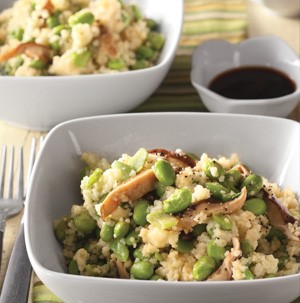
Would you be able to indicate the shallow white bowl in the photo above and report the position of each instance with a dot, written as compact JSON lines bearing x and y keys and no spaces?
{"x":55,"y":187}
{"x":286,"y":8}
{"x":42,"y":102}
{"x":216,"y":56}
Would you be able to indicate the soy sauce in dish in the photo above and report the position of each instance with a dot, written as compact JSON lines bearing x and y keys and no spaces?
{"x":252,"y":82}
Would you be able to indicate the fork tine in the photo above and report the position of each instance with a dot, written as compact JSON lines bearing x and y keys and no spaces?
{"x":3,"y":166}
{"x":20,"y":192}
{"x":31,"y":162}
{"x":11,"y":173}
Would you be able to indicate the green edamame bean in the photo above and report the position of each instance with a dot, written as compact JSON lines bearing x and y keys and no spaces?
{"x":178,"y":201}
{"x":224,"y":222}
{"x":218,"y":191}
{"x":124,"y":168}
{"x":248,"y":274}
{"x":256,"y":205}
{"x":57,"y":29}
{"x":203,"y":268}
{"x":160,"y":189}
{"x":60,"y":230}
{"x":281,"y":262}
{"x":215,"y":251}
{"x":107,"y":232}
{"x":232,"y":178}
{"x":145,"y":52}
{"x":81,"y":59}
{"x":199,"y":229}
{"x":140,"y":64}
{"x":19,"y":62}
{"x":81,"y":17}
{"x":246,"y":248}
{"x":73,"y":268}
{"x":273,"y":232}
{"x":156,"y":278}
{"x":137,"y":254}
{"x":140,"y":212}
{"x":132,"y":238}
{"x":151,"y":24}
{"x":121,"y":229}
{"x":84,"y":223}
{"x":164,"y":172}
{"x":94,"y":177}
{"x":116,"y":64}
{"x":52,"y":21}
{"x":142,"y":270}
{"x":184,"y":246}
{"x":120,"y":250}
{"x":18,"y":33}
{"x":213,"y":170}
{"x":162,"y":220}
{"x":156,"y":40}
{"x":136,"y":12}
{"x":138,"y":160}
{"x":38,"y":64}
{"x":253,"y":183}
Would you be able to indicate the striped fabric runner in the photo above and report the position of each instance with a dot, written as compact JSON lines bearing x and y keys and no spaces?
{"x":203,"y":20}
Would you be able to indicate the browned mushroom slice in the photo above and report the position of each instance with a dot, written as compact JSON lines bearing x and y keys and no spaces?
{"x":123,"y":274}
{"x":279,"y":215}
{"x":130,"y":190}
{"x":48,"y":5}
{"x":31,"y":49}
{"x":224,"y":272}
{"x":176,"y":158}
{"x":187,"y":219}
{"x":243,"y":170}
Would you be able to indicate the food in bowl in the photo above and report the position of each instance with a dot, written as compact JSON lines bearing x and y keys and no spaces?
{"x":170,"y":215}
{"x":73,"y":37}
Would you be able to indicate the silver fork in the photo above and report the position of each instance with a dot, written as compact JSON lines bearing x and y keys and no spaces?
{"x":10,"y":206}
{"x":17,"y":278}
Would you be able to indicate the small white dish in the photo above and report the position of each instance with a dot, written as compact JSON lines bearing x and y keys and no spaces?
{"x":216,"y":56}
{"x":54,"y":188}
{"x":41,"y":102}
{"x":287,"y":8}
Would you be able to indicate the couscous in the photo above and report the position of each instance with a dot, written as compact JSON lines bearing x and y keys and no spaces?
{"x":72,"y":37}
{"x":170,"y":215}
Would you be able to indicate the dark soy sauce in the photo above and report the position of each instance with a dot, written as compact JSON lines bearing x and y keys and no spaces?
{"x":252,"y":82}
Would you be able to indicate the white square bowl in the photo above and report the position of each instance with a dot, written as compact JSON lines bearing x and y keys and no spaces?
{"x":42,"y":102}
{"x":269,"y":146}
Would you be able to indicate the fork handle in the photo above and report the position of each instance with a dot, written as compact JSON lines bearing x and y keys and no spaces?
{"x":17,"y":278}
{"x":2,"y":227}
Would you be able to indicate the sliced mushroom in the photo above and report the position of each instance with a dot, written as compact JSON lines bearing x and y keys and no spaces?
{"x":279,"y":215}
{"x":130,"y":190}
{"x":224,"y":272}
{"x":48,"y":5}
{"x":123,"y":274}
{"x":176,"y":158}
{"x":187,"y":220}
{"x":31,"y":49}
{"x":243,"y":170}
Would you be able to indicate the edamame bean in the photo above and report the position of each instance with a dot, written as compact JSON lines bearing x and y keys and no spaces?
{"x":203,"y":268}
{"x":18,"y":33}
{"x":120,"y":250}
{"x":116,"y":64}
{"x":124,"y":168}
{"x":224,"y":222}
{"x":140,"y":64}
{"x":213,"y":170}
{"x":81,"y":17}
{"x":164,"y":172}
{"x":156,"y":278}
{"x":232,"y":177}
{"x":132,"y":238}
{"x":73,"y":268}
{"x":84,"y":223}
{"x":156,"y":40}
{"x":107,"y":232}
{"x":57,"y":29}
{"x":137,"y":254}
{"x":178,"y":201}
{"x":151,"y":24}
{"x":160,"y":189}
{"x":162,"y":220}
{"x":184,"y":246}
{"x":256,"y":205}
{"x":81,"y":59}
{"x":93,"y":178}
{"x":138,"y":160}
{"x":121,"y":229}
{"x":38,"y":64}
{"x":52,"y":21}
{"x":145,"y":52}
{"x":218,"y":191}
{"x":281,"y":262}
{"x":248,"y":274}
{"x":142,"y":270}
{"x":246,"y":248}
{"x":60,"y":230}
{"x":253,"y":183}
{"x":215,"y":251}
{"x":140,"y":212}
{"x":273,"y":232}
{"x":136,"y":12}
{"x":199,"y":229}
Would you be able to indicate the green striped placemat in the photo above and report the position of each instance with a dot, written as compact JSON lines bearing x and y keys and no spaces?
{"x":203,"y":20}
